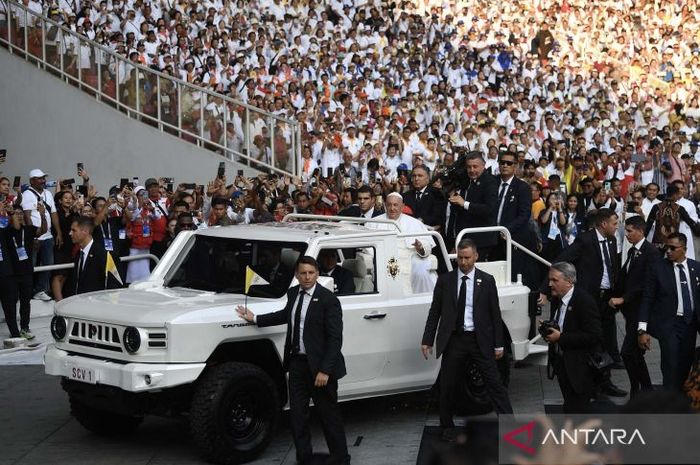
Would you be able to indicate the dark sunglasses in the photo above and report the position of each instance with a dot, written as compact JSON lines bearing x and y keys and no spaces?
{"x":506,"y":162}
{"x":187,"y":226}
{"x":674,"y":247}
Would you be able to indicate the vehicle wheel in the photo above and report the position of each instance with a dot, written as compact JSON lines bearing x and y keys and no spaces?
{"x":473,"y":398}
{"x":101,"y":421}
{"x":235,"y":409}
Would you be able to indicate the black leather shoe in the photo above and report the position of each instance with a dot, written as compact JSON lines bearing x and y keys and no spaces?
{"x":614,"y":391}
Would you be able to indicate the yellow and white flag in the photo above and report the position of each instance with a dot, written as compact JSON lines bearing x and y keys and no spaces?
{"x":253,"y":279}
{"x":111,"y":268}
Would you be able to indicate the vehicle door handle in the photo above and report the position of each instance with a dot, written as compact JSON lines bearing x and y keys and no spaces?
{"x":374,"y":316}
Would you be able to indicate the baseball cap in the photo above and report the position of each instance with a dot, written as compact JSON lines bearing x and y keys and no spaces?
{"x":150,"y":182}
{"x":37,"y":173}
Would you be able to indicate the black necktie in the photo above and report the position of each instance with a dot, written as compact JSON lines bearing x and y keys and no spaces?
{"x":461,"y":303}
{"x":297,"y":321}
{"x":419,"y":194}
{"x":685,"y":295}
{"x":502,"y":192}
{"x":608,"y":262}
{"x":630,"y":256}
{"x":80,"y":270}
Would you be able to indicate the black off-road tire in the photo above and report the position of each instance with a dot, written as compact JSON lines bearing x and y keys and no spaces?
{"x":234,"y":412}
{"x":103,"y":422}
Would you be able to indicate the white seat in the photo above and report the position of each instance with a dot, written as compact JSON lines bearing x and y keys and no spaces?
{"x":358,"y":268}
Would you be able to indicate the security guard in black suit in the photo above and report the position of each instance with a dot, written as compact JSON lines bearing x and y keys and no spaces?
{"x":464,"y":322}
{"x":313,"y":359}
{"x":427,"y":204}
{"x":366,"y":206}
{"x":514,"y":209}
{"x":628,"y":296}
{"x":578,"y":335}
{"x":474,"y":206}
{"x":90,"y":263}
{"x":594,"y":254}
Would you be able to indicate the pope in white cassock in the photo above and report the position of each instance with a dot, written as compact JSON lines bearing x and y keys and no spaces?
{"x":415,"y":249}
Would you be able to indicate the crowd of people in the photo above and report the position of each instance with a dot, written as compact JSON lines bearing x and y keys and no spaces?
{"x":547,"y":118}
{"x":426,"y":78}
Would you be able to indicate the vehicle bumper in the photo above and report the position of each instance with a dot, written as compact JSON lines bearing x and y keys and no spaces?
{"x":527,"y":349}
{"x":132,"y":377}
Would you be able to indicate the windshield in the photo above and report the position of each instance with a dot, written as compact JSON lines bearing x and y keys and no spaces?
{"x":219,"y":264}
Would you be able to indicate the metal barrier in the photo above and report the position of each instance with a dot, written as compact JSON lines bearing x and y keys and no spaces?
{"x":240,"y":132}
{"x":69,"y":266}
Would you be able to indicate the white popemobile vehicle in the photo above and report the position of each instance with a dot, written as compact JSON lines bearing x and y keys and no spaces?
{"x":174,"y":344}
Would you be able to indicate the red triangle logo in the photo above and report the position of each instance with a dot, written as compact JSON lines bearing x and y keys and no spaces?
{"x":510,"y":438}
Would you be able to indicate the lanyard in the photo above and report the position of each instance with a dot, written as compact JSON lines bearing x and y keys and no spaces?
{"x":21,"y":240}
{"x":106,"y":234}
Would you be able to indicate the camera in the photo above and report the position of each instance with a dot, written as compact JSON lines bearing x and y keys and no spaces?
{"x":455,"y":177}
{"x":547,"y":327}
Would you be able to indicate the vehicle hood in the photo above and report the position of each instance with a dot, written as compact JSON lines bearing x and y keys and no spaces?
{"x":145,"y":307}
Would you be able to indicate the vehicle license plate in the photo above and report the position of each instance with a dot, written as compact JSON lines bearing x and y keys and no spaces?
{"x":85,"y":375}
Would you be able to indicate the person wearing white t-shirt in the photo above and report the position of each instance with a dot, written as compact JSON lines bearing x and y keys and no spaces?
{"x":651,"y":191}
{"x":43,"y":254}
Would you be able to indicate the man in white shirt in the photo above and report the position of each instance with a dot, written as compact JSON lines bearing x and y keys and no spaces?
{"x":651,"y":191}
{"x":43,"y":254}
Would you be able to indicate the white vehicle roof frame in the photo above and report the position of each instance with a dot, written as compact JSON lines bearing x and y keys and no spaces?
{"x":347,"y":219}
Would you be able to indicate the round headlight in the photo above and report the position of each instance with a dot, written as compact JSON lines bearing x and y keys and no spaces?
{"x":132,"y":340}
{"x":58,"y":327}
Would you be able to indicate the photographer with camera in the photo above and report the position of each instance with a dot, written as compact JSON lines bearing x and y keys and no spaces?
{"x":573,"y":332}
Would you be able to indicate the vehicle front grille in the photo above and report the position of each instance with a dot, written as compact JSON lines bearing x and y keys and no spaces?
{"x":97,"y":335}
{"x":157,"y":339}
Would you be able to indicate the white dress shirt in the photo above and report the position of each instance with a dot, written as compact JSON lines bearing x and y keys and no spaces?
{"x":86,"y":252}
{"x":304,"y":307}
{"x":469,"y":309}
{"x":676,"y":273}
{"x":503,"y":200}
{"x":562,"y":309}
{"x":605,"y":282}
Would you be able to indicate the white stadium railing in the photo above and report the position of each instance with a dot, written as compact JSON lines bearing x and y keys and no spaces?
{"x":192,"y":113}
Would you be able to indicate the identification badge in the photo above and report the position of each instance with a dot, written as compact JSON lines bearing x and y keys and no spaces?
{"x":122,"y":234}
{"x":146,"y":230}
{"x":22,"y":254}
{"x":4,"y":221}
{"x":108,"y":245}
